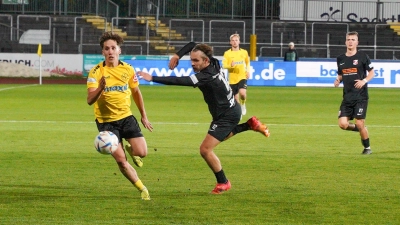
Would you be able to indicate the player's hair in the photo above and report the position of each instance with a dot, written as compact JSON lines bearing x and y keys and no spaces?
{"x":352,"y":33}
{"x":206,"y":49}
{"x":207,"y":53}
{"x":234,"y":35}
{"x":110,"y":36}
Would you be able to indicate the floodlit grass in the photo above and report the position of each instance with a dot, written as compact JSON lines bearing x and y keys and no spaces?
{"x":308,"y":172}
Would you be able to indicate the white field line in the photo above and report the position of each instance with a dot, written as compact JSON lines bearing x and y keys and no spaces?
{"x":173,"y":123}
{"x":10,"y":88}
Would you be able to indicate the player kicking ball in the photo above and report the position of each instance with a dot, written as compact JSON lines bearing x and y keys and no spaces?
{"x":223,"y":107}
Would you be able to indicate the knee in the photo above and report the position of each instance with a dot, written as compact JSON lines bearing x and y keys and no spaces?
{"x":142,"y":154}
{"x":204,"y":151}
{"x":123,"y":165}
{"x":343,"y":126}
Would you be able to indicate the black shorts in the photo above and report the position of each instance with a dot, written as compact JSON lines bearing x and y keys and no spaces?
{"x":356,"y":110}
{"x":241,"y":85}
{"x":127,"y":127}
{"x":223,"y":126}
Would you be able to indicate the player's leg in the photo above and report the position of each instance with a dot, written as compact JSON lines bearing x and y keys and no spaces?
{"x":361,"y":112}
{"x":129,"y":172}
{"x":242,"y":85}
{"x":344,"y":117}
{"x":344,"y":124}
{"x":136,"y":147}
{"x":206,"y":151}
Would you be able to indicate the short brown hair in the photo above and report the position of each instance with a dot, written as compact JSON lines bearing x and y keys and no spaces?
{"x":110,"y":36}
{"x":206,"y":49}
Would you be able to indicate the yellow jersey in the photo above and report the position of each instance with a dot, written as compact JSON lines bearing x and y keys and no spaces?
{"x":241,"y":67}
{"x":115,"y":102}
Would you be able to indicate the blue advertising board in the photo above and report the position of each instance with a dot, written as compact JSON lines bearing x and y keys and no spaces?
{"x":262,"y":73}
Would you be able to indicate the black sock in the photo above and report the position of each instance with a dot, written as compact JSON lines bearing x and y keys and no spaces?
{"x":240,"y":128}
{"x":221,"y":179}
{"x":365,"y":143}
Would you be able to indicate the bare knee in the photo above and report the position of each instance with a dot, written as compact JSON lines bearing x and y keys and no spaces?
{"x":343,"y":125}
{"x":204,"y":151}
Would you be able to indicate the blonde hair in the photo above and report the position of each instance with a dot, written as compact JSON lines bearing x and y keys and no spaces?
{"x":234,"y":35}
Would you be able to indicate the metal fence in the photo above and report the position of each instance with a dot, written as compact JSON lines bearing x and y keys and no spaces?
{"x":312,"y":38}
{"x":268,"y":9}
{"x":106,"y":8}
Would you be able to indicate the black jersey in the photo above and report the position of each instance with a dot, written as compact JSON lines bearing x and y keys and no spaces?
{"x":215,"y":88}
{"x":353,"y":68}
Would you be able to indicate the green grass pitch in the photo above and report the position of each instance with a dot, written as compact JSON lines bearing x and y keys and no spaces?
{"x":308,"y":172}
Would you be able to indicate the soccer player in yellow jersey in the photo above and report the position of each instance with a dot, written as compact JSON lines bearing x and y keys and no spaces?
{"x":110,"y":85}
{"x":237,"y":61}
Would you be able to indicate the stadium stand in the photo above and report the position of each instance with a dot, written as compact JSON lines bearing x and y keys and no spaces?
{"x":73,"y":34}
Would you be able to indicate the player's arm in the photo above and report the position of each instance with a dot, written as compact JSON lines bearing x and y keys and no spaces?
{"x":339,"y":77}
{"x":225,"y":61}
{"x":174,"y":61}
{"x":138,"y":99}
{"x":338,"y":80}
{"x":94,"y":93}
{"x":247,"y":61}
{"x":370,"y":75}
{"x":181,"y":81}
{"x":370,"y":69}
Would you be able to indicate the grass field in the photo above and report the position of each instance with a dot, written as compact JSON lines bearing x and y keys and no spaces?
{"x":308,"y":172}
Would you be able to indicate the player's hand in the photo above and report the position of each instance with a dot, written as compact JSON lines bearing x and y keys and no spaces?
{"x":247,"y":75}
{"x":173,"y":62}
{"x":232,"y":64}
{"x":336,"y":83}
{"x":359,"y":84}
{"x":146,"y":123}
{"x":102,"y":83}
{"x":144,"y":76}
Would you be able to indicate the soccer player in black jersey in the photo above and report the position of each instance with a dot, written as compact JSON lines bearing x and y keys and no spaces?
{"x":223,"y":107}
{"x":355,"y":70}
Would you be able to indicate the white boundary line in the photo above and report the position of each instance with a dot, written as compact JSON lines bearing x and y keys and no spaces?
{"x":9,"y":88}
{"x":172,"y":123}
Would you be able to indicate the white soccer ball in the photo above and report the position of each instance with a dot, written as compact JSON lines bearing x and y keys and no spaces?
{"x":106,"y":142}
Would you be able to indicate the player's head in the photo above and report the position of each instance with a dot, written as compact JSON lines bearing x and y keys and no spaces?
{"x":351,"y":40}
{"x":200,"y":56}
{"x":111,"y":46}
{"x":291,"y":45}
{"x":234,"y":40}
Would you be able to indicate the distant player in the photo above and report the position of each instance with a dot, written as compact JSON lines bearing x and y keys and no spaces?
{"x":355,"y":70}
{"x":236,"y":60}
{"x":110,"y":85}
{"x":222,"y":106}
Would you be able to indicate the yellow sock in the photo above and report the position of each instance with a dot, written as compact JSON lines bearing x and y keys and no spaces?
{"x":242,"y":101}
{"x":139,"y":185}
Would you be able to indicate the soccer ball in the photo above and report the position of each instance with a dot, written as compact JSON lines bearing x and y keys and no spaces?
{"x":106,"y":142}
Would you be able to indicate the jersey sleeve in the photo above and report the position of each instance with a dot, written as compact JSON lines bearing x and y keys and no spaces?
{"x":181,"y":81}
{"x":133,"y":81}
{"x":225,"y":61}
{"x":368,"y":64}
{"x":94,"y":77}
{"x":186,"y":49}
{"x":339,"y":71}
